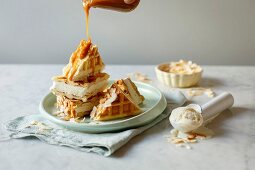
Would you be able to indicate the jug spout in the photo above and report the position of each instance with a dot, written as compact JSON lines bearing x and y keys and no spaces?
{"x":116,"y":5}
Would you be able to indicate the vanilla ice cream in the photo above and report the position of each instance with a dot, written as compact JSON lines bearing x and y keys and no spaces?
{"x":79,"y":90}
{"x":187,"y":118}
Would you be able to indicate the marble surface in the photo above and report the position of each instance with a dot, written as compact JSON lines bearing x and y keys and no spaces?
{"x":232,"y":147}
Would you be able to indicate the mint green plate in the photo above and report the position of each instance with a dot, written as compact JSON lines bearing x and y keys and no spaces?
{"x":153,"y":105}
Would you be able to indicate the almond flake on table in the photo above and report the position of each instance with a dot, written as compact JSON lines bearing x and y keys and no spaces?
{"x":198,"y":91}
{"x":181,"y":139}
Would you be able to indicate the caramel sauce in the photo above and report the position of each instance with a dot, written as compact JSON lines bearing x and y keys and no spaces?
{"x":72,"y":111}
{"x":86,"y":6}
{"x":80,"y":53}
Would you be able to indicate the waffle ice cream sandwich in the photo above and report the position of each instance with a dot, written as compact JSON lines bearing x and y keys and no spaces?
{"x":78,"y":88}
{"x":117,"y":103}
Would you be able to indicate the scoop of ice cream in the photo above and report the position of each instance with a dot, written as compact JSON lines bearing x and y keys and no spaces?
{"x":187,"y":118}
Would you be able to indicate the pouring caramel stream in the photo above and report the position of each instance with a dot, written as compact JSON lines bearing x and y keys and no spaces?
{"x":86,"y":7}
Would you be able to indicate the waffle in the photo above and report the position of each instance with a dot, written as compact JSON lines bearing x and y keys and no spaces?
{"x":115,"y":104}
{"x":130,"y":89}
{"x":73,"y":108}
{"x":85,"y":61}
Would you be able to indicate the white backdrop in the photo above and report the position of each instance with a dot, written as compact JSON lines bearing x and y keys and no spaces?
{"x":206,"y":31}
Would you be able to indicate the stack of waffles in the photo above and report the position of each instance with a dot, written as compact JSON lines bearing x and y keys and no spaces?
{"x":79,"y":88}
{"x":121,"y":99}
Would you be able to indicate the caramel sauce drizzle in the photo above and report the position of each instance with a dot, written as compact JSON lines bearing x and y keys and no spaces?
{"x":72,"y":111}
{"x":82,"y":50}
{"x":86,"y":6}
{"x":80,"y":53}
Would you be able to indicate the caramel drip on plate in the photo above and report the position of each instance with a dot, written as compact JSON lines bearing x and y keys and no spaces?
{"x":72,"y":111}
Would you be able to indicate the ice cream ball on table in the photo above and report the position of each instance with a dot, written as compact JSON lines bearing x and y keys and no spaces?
{"x":187,"y":118}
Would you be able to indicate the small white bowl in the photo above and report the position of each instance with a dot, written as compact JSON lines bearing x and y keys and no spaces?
{"x":175,"y":79}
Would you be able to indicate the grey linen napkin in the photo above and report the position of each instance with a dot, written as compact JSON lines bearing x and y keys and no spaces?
{"x":103,"y":144}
